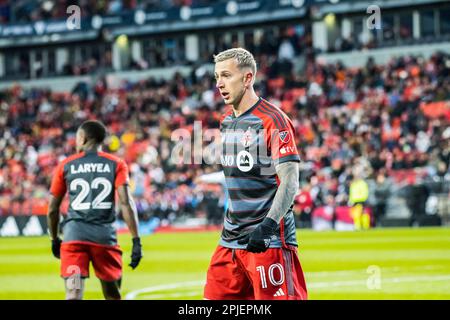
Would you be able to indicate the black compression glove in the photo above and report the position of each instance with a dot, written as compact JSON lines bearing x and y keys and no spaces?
{"x":136,"y":253}
{"x":56,"y":247}
{"x":259,"y":239}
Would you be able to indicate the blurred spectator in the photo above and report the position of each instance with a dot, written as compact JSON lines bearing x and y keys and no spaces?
{"x":380,"y":192}
{"x":303,"y":207}
{"x":286,"y":50}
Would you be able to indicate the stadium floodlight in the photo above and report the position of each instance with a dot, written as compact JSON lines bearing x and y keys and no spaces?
{"x":122,"y":41}
{"x":330,"y":19}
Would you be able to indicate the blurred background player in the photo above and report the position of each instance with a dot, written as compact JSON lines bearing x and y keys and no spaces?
{"x":91,"y":178}
{"x":257,"y":254}
{"x":358,"y":195}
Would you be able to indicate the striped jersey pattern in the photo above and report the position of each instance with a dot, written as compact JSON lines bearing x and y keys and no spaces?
{"x":252,"y":145}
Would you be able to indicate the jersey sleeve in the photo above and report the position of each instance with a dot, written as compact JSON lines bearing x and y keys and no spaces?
{"x":280,"y":140}
{"x":122,"y":177}
{"x":58,"y":186}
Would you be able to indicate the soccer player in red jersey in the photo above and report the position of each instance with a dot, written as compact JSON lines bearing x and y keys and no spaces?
{"x":257,"y":254}
{"x":91,"y":177}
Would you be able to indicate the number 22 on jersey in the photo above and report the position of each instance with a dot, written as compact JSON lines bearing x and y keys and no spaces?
{"x":98,"y":203}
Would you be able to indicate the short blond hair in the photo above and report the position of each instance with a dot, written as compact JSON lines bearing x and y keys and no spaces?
{"x":243,"y":57}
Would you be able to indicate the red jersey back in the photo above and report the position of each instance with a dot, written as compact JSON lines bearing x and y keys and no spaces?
{"x":91,"y":179}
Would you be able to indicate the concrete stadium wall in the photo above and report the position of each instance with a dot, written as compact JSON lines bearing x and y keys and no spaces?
{"x":382,"y":56}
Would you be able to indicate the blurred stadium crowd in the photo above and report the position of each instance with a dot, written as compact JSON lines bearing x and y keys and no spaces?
{"x":369,"y":123}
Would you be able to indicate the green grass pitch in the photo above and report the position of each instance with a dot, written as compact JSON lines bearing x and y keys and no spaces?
{"x":375,"y":264}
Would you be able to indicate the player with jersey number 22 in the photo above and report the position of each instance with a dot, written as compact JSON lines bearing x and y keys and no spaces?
{"x":91,"y":177}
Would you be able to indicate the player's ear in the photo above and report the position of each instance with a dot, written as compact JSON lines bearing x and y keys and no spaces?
{"x":83,"y":139}
{"x":248,"y":79}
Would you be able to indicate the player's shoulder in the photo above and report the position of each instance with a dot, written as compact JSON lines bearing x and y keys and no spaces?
{"x":110,"y":156}
{"x":227,"y":114}
{"x":71,"y":158}
{"x":271,"y":114}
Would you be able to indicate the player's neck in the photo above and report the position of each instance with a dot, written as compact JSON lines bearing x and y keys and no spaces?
{"x":92,"y":148}
{"x":248,"y":100}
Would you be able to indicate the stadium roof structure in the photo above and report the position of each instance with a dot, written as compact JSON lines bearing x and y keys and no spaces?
{"x":348,"y":6}
{"x":138,"y":22}
{"x":177,"y":19}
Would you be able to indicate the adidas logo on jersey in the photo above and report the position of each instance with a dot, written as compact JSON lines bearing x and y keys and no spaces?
{"x":279,"y":293}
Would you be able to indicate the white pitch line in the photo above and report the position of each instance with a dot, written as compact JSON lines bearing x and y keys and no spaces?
{"x":383,"y":280}
{"x":317,"y":285}
{"x":364,"y":271}
{"x":170,"y":295}
{"x":132,"y":295}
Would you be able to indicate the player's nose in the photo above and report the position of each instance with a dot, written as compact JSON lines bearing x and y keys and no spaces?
{"x":219,"y":84}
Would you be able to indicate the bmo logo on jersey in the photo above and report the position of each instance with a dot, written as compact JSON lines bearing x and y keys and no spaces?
{"x":244,"y":161}
{"x":227,"y":161}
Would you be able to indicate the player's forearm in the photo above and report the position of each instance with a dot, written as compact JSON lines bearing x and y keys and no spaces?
{"x":53,"y":215}
{"x":128,"y":208}
{"x":288,"y":174}
{"x":53,"y":221}
{"x":130,"y":216}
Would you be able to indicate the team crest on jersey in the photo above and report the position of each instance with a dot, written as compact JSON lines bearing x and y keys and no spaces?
{"x":247,"y":138}
{"x":244,"y":161}
{"x":285,"y":136}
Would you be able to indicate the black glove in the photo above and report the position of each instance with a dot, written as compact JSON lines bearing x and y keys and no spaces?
{"x":259,"y":239}
{"x":136,"y":252}
{"x":56,"y":247}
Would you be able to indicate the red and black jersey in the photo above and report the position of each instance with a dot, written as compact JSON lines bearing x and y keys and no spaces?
{"x":252,"y":145}
{"x":91,"y":179}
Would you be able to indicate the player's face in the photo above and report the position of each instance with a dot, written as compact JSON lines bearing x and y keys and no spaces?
{"x":230,"y":81}
{"x":80,"y":140}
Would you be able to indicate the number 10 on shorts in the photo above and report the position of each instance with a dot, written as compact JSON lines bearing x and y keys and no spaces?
{"x":273,"y":281}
